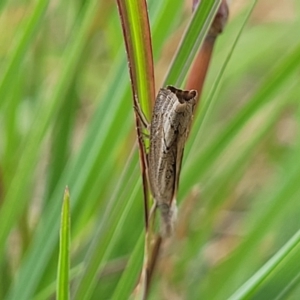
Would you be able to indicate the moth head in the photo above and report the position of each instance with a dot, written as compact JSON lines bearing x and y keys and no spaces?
{"x":183,"y":96}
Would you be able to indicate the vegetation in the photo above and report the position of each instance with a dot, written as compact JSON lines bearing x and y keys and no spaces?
{"x":67,"y":120}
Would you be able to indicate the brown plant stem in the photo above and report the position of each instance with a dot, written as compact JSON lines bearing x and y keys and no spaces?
{"x":200,"y":66}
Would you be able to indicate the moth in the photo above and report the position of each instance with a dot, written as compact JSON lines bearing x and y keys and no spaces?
{"x":170,"y":124}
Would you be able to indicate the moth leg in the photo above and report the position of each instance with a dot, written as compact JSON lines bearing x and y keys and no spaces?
{"x":141,"y":116}
{"x":145,"y":147}
{"x":143,"y":120}
{"x":146,"y":135}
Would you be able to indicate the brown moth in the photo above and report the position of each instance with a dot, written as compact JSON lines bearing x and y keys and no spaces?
{"x":171,"y":120}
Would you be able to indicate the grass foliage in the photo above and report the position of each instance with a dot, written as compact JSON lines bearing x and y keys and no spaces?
{"x":66,"y":118}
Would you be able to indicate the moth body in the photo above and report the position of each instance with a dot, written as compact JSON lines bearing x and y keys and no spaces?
{"x":170,"y":124}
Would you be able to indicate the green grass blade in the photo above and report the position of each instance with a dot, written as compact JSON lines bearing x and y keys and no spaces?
{"x":221,"y":184}
{"x":15,"y":202}
{"x":283,"y":281}
{"x":129,"y":277}
{"x":28,"y":160}
{"x":245,"y":178}
{"x":272,"y":84}
{"x":137,"y":38}
{"x":20,"y":49}
{"x":246,"y":290}
{"x":62,"y":291}
{"x":101,"y":248}
{"x":208,"y":103}
{"x":191,"y":41}
{"x":288,"y":289}
{"x":265,"y":219}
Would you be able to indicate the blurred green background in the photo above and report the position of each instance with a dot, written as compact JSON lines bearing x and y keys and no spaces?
{"x":66,"y":118}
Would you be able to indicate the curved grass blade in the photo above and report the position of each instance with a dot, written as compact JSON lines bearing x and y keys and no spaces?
{"x":246,"y":290}
{"x":289,"y":288}
{"x":265,"y":219}
{"x":283,"y":281}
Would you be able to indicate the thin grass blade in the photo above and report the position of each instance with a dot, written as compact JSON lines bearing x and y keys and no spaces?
{"x":192,"y":41}
{"x":62,"y":290}
{"x":246,"y":290}
{"x":20,"y":49}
